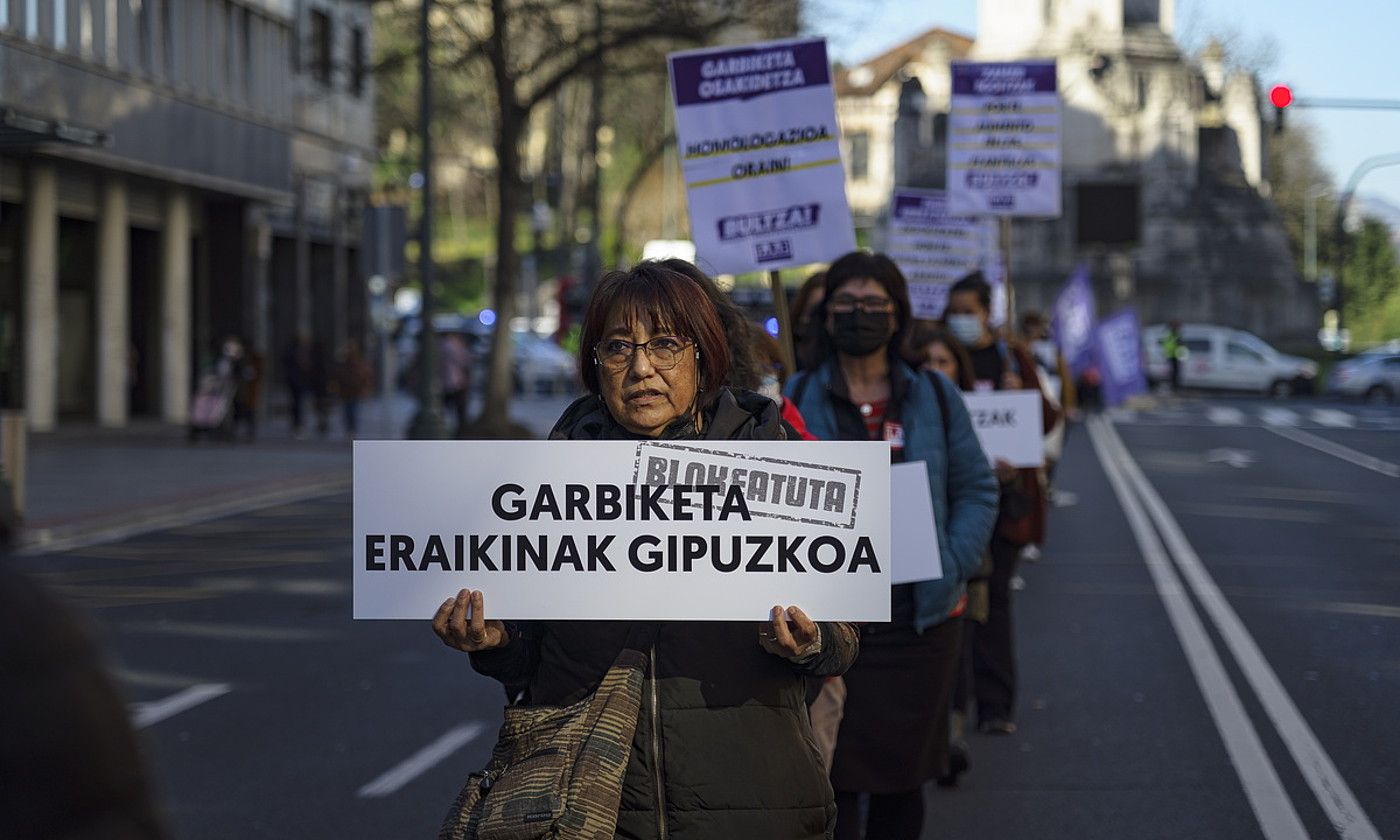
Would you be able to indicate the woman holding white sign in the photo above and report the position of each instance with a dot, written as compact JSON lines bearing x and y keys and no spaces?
{"x":998,"y":365}
{"x":894,"y":732}
{"x":722,"y":745}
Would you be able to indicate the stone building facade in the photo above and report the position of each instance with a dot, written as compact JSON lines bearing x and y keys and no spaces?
{"x":1165,"y":193}
{"x":171,"y":172}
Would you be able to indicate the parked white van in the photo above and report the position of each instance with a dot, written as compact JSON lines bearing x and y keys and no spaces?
{"x":1224,"y":358}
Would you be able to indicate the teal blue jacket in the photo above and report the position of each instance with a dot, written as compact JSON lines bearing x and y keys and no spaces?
{"x":959,"y":476}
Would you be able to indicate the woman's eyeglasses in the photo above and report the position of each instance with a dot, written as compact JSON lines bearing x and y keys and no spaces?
{"x":842,"y":304}
{"x":665,"y":352}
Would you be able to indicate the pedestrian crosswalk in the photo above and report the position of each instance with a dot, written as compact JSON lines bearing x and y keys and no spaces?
{"x":1294,"y":415}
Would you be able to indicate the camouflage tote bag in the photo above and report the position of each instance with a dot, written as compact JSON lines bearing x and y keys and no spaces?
{"x":556,"y":772}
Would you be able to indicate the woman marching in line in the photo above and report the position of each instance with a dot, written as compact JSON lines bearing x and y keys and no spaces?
{"x":931,"y":347}
{"x":894,"y":731}
{"x":722,"y":747}
{"x":998,"y":365}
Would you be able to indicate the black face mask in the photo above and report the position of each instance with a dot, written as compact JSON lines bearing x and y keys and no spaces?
{"x":861,"y":333}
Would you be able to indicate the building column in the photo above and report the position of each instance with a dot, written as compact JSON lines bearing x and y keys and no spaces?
{"x":340,"y":275}
{"x":41,"y":298}
{"x":113,"y":306}
{"x":175,"y":291}
{"x":302,"y":288}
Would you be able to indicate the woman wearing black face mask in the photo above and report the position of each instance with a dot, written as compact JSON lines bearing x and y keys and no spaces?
{"x":894,"y":732}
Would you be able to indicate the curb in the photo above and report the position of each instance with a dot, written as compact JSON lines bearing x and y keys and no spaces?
{"x":39,"y":541}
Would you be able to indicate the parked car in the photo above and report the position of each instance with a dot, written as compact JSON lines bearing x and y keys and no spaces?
{"x":1373,"y":375}
{"x":1224,"y":358}
{"x":541,"y":366}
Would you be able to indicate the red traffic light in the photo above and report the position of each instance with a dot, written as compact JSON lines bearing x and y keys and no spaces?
{"x":1281,"y":96}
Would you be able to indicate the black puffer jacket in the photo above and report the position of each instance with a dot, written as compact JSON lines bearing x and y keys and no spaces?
{"x":723,"y":747}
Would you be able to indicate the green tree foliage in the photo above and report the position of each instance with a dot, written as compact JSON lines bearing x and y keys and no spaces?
{"x":1371,"y":283}
{"x":503,"y":61}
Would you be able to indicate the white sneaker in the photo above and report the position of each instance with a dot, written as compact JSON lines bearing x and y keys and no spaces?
{"x":1018,"y":583}
{"x":1031,"y":553}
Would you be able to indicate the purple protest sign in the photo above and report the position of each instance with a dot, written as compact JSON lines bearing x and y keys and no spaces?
{"x":1073,"y":320}
{"x":1118,"y":347}
{"x":1004,"y":140}
{"x":746,"y":72}
{"x":760,"y":151}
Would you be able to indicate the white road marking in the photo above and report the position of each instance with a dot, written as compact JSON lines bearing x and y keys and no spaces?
{"x":1364,"y":610}
{"x":1279,"y":417}
{"x":1237,"y":458}
{"x":1336,"y":450}
{"x":1333,"y":418}
{"x":1277,"y":817}
{"x":422,"y":761}
{"x":1317,"y":767}
{"x":1225,"y":416}
{"x":147,"y":714}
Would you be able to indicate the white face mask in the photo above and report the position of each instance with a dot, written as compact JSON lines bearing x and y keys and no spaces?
{"x":771,"y":389}
{"x":965,"y":328}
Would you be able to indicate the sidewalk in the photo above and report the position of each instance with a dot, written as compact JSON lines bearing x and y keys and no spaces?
{"x":87,"y":485}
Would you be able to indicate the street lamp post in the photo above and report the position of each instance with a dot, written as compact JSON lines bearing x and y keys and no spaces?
{"x":427,"y":423}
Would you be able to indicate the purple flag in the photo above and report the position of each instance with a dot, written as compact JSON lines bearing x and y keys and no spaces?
{"x":1073,"y":321}
{"x":1118,"y":347}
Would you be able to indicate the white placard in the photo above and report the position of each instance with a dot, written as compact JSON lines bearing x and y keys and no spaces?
{"x":1009,"y":426}
{"x":913,"y":531}
{"x":760,"y":152}
{"x":933,"y":249}
{"x":1004,"y":139}
{"x":546,"y":529}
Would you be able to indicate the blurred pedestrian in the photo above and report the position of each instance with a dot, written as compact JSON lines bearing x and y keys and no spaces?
{"x":70,"y":764}
{"x":247,"y":399}
{"x":806,"y":321}
{"x":354,"y":381}
{"x":722,"y":745}
{"x":1173,"y":350}
{"x":1000,"y":365}
{"x":932,"y":347}
{"x":456,"y":361}
{"x":320,"y":386}
{"x":894,"y":727}
{"x":296,"y":373}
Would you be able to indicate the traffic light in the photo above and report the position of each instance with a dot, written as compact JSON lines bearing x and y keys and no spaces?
{"x":1281,"y":96}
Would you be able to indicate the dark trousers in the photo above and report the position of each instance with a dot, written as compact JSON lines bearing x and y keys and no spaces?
{"x":993,"y":647}
{"x":891,"y":816}
{"x":456,"y":403}
{"x":298,"y":415}
{"x":351,"y":408}
{"x":1176,"y":374}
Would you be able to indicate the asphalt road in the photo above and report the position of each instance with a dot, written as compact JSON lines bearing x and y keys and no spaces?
{"x":268,"y":712}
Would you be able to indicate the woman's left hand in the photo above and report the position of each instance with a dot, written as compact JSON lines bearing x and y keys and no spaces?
{"x":790,"y":634}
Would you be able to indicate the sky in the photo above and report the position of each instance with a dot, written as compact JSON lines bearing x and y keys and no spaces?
{"x":1322,"y":48}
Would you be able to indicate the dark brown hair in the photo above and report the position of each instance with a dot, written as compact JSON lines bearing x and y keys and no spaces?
{"x":924,"y":333}
{"x":670,"y":300}
{"x":882,"y":270}
{"x":743,"y":366}
{"x":808,"y":344}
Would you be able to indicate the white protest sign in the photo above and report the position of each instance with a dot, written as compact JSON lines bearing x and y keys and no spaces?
{"x":761,"y":155}
{"x":933,"y":249}
{"x":1004,"y":140}
{"x":631,"y":530}
{"x":913,"y":534}
{"x":1008,"y":424}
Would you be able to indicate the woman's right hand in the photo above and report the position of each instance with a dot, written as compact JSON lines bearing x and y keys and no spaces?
{"x":473,"y":633}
